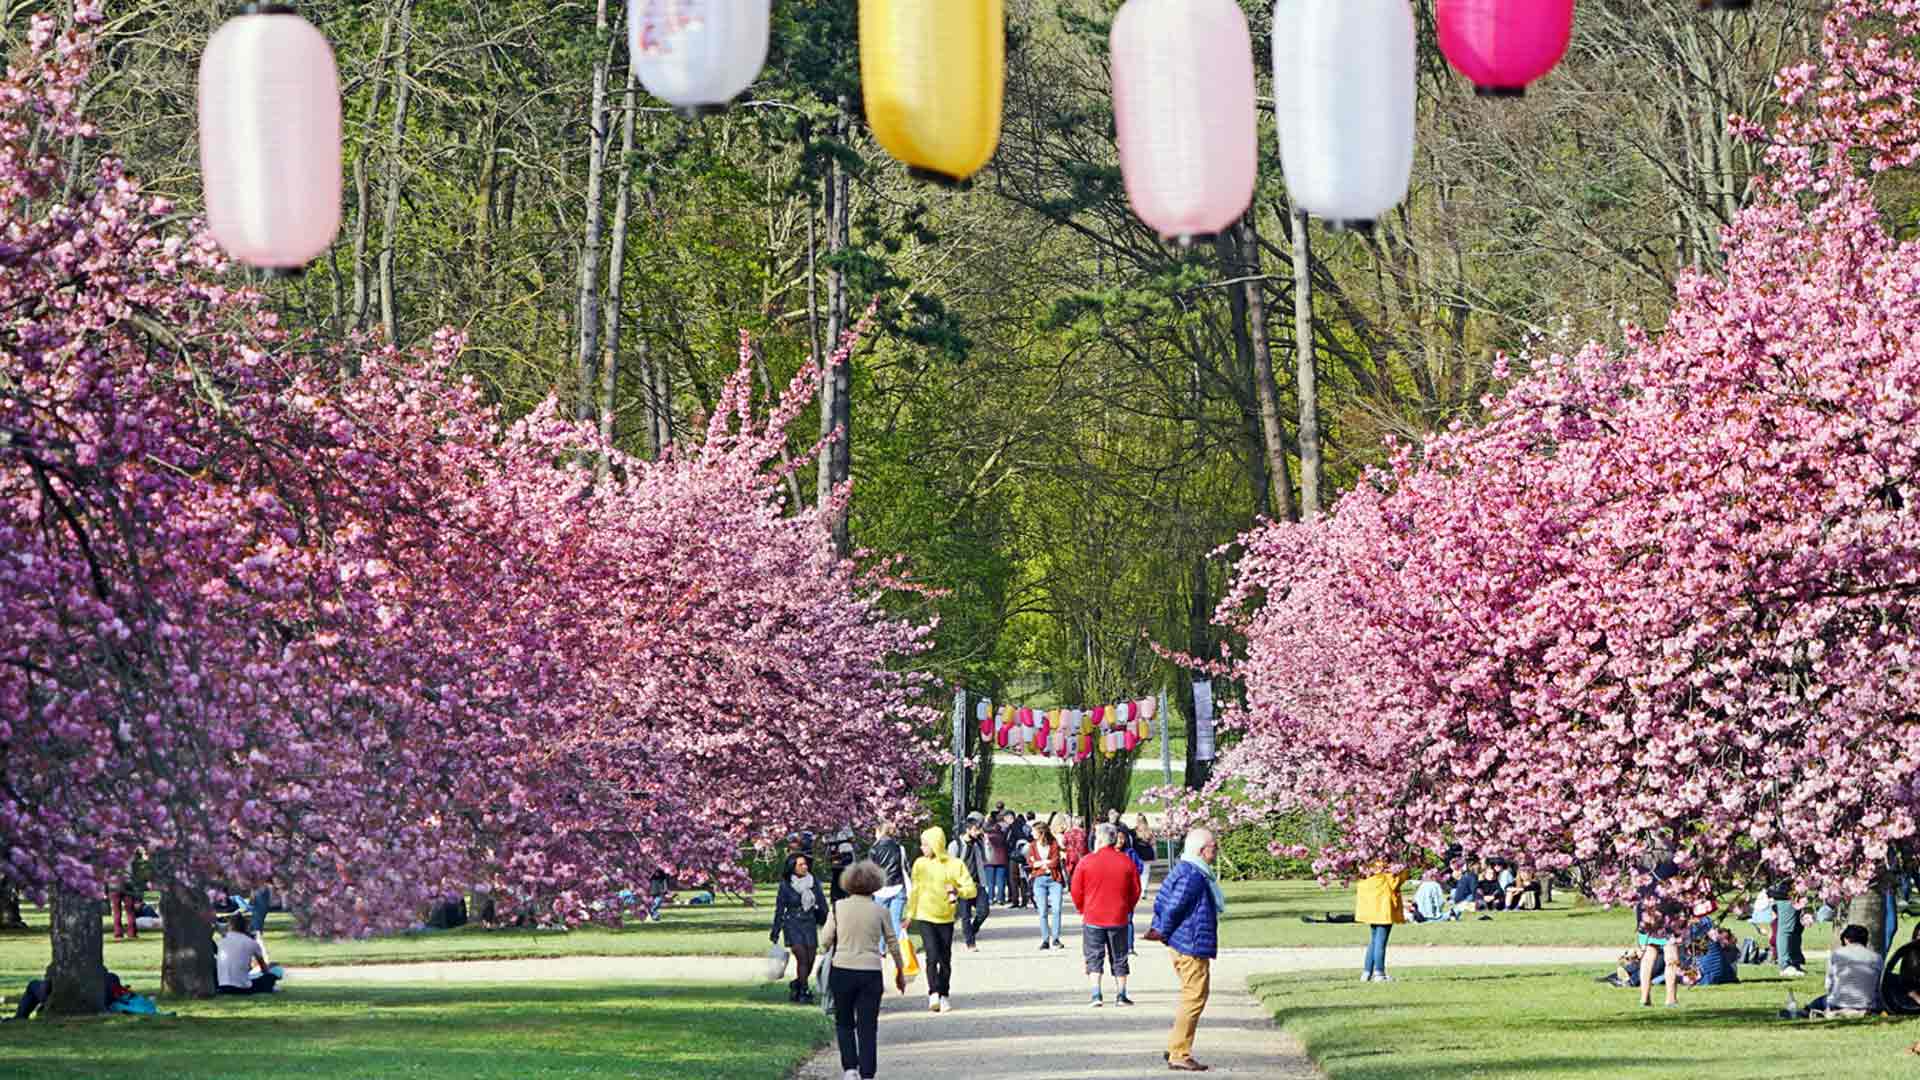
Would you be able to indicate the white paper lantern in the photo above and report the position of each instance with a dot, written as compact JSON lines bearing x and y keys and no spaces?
{"x":1343,"y":87}
{"x":697,"y":55}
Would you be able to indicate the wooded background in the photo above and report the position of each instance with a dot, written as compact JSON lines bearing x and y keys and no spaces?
{"x":1056,"y":417}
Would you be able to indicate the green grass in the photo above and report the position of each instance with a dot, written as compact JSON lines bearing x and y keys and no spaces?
{"x":727,"y":928}
{"x":1037,"y":787}
{"x":1266,"y":914}
{"x":1557,"y":1024}
{"x":632,"y":1030}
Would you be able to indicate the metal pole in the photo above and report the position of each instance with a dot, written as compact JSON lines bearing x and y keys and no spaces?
{"x":959,"y":759}
{"x":1166,"y":761}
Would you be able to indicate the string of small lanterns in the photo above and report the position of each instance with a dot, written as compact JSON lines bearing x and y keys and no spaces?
{"x":933,"y":76}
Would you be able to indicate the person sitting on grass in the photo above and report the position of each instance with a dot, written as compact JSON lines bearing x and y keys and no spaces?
{"x":1430,"y":899}
{"x":240,"y":953}
{"x":1466,"y":889}
{"x":1522,"y":888}
{"x":1718,"y":959}
{"x":1853,"y":975}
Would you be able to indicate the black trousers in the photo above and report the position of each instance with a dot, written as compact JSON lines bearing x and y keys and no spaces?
{"x":263,"y":983}
{"x":936,"y":949}
{"x":972,"y":915}
{"x":856,"y":1018}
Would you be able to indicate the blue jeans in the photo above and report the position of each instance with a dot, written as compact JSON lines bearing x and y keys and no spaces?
{"x":1047,"y":895}
{"x":262,"y":899}
{"x":1377,"y":949}
{"x":997,"y":884}
{"x":896,"y":910}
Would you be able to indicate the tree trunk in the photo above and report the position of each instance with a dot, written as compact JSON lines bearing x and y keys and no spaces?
{"x":589,"y":301}
{"x":78,"y":975}
{"x":390,"y":213}
{"x":1869,"y":911}
{"x":362,"y":189}
{"x":1312,"y":475}
{"x":616,"y":269}
{"x":1265,"y":388}
{"x":1199,"y":646}
{"x":1226,"y":246}
{"x":10,"y":908}
{"x":836,"y":382}
{"x":186,"y":958}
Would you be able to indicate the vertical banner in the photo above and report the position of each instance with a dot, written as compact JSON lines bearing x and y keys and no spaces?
{"x":1203,"y":719}
{"x":959,"y":758}
{"x":1166,"y":744}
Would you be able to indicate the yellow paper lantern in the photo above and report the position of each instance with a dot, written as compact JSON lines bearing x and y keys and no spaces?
{"x":933,"y":73}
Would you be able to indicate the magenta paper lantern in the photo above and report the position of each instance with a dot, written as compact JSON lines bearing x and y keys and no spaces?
{"x":1502,"y":45}
{"x":270,"y":138}
{"x":1183,"y":110}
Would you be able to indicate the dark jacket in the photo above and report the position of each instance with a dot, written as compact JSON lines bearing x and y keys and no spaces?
{"x":792,"y":920}
{"x":1184,"y":913}
{"x":997,"y":847}
{"x":892,"y":860}
{"x":974,"y":854}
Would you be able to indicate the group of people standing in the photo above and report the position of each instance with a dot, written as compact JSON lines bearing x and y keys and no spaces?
{"x":946,"y":892}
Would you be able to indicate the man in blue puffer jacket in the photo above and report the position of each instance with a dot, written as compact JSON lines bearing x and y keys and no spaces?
{"x":1186,"y":916}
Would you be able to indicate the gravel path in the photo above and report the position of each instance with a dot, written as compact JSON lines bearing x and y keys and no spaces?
{"x":1022,"y":1013}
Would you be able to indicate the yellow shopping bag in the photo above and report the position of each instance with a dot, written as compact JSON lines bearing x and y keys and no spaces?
{"x":913,"y":959}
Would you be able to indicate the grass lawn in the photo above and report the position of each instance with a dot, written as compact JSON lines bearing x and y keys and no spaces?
{"x":632,"y":1030}
{"x":1266,"y":914}
{"x":1037,"y":787}
{"x":728,"y":928}
{"x":1549,"y":1022}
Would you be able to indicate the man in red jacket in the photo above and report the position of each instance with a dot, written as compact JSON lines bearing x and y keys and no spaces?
{"x":1105,"y":890}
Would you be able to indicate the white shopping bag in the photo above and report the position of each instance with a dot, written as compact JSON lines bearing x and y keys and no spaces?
{"x":776,"y":963}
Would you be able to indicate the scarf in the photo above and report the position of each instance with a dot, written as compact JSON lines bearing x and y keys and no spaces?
{"x":804,"y":886}
{"x":1213,"y":880}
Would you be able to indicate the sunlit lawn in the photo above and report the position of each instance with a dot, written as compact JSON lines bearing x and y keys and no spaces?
{"x":630,"y":1030}
{"x":727,"y":928}
{"x":1266,"y":914}
{"x":1556,"y":1023}
{"x":1037,"y":787}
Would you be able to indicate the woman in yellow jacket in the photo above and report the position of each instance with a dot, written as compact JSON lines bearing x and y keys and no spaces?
{"x":1376,"y":902}
{"x":940,"y":882}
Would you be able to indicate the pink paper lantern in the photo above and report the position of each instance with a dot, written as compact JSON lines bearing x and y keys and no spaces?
{"x":1183,"y":109}
{"x":1502,"y":45}
{"x":270,"y":138}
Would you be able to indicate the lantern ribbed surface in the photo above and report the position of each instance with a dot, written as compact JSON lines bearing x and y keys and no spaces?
{"x":1183,"y":109}
{"x":270,"y":140}
{"x":698,"y":55}
{"x":933,"y":73}
{"x":1343,"y":87}
{"x":1502,"y":45}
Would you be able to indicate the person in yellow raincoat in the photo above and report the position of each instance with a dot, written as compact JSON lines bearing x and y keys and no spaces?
{"x":940,"y":882}
{"x":1376,"y":902}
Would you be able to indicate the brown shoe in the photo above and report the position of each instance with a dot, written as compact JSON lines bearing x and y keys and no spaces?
{"x":1186,"y":1065}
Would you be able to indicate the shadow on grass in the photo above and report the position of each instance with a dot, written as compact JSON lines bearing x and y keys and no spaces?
{"x":487,"y":1031}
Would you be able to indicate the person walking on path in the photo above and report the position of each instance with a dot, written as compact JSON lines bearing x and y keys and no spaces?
{"x":891,"y":858}
{"x":1047,"y":868}
{"x":1073,"y":844}
{"x":798,"y":913}
{"x":1376,"y":902}
{"x":940,"y":883}
{"x":1105,"y":890}
{"x":994,"y":838}
{"x":971,"y":849}
{"x":1186,"y":916}
{"x":859,"y":933}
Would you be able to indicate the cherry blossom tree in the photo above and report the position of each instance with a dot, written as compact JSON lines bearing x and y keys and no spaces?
{"x":1662,"y":602}
{"x":357,"y":635}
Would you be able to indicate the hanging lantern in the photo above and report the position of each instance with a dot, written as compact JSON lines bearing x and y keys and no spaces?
{"x":932,"y":73}
{"x":1343,"y":87}
{"x":270,"y":138}
{"x":1502,"y":45}
{"x":697,"y":55}
{"x":1183,"y":112}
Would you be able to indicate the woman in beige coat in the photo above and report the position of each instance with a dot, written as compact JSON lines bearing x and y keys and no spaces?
{"x":860,"y":932}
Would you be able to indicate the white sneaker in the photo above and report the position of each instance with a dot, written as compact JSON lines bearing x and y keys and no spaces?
{"x":1366,"y":976}
{"x":946,"y":1003}
{"x":1383,"y":977}
{"x":850,"y":1074}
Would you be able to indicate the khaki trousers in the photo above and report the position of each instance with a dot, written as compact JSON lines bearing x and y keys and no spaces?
{"x":1196,"y":980}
